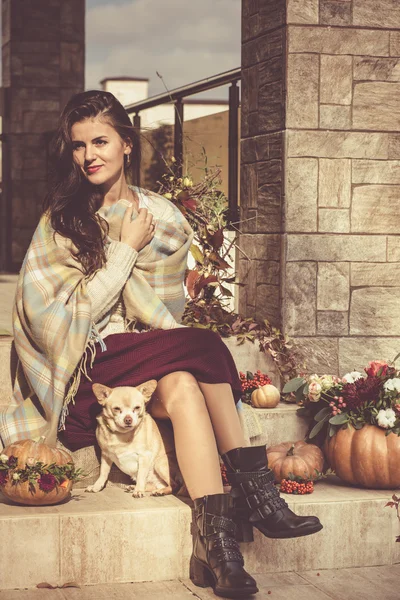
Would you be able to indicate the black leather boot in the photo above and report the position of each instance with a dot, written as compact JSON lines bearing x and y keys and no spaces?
{"x":257,"y":501}
{"x":216,"y":558}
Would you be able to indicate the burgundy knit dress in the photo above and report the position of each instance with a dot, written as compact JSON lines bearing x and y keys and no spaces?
{"x":133,"y":358}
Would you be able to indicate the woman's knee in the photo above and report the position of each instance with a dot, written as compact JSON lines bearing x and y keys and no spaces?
{"x":178,"y":388}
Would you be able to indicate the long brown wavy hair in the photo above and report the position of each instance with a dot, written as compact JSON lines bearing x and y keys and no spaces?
{"x":72,"y":201}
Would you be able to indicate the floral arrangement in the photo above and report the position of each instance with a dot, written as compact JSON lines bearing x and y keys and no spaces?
{"x":36,"y":473}
{"x":206,"y":208}
{"x":252,"y":381}
{"x":372,"y":397}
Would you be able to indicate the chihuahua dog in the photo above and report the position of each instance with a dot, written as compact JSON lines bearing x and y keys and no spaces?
{"x":129,"y":437}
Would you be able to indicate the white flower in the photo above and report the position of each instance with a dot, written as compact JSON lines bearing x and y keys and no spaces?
{"x":314,"y":391}
{"x":3,"y":458}
{"x":386,"y":418}
{"x":351,"y":377}
{"x":16,"y":476}
{"x":392,"y":385}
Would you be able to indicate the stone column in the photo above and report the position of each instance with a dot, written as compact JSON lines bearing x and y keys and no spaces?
{"x":43,"y":65}
{"x":340,"y":262}
{"x":261,"y":188}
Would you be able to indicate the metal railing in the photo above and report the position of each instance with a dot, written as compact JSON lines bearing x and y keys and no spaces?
{"x":176,"y":97}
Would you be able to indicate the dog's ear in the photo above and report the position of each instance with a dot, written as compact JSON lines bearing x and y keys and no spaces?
{"x":101,"y":392}
{"x":147,"y":388}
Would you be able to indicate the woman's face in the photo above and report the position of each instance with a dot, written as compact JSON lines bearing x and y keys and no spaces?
{"x":99,"y":151}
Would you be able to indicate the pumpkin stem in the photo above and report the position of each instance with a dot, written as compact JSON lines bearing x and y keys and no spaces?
{"x":290,"y":452}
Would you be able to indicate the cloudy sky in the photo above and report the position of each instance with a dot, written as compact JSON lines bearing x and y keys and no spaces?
{"x":184,"y":40}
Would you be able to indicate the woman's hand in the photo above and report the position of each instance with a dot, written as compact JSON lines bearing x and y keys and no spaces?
{"x":140,"y":232}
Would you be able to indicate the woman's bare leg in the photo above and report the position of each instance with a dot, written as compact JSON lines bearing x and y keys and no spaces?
{"x":180,"y":399}
{"x":224,"y":417}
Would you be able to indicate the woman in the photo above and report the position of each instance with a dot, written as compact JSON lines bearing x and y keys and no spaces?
{"x":101,"y":295}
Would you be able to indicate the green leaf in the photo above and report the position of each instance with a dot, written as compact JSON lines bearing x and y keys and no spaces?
{"x":293,"y":385}
{"x":300,"y":394}
{"x":358,"y":425}
{"x":302,"y":412}
{"x":323,"y":414}
{"x":331,"y":430}
{"x":396,"y":357}
{"x":316,"y":429}
{"x":339,"y":419}
{"x":225,"y":291}
{"x":197,"y":254}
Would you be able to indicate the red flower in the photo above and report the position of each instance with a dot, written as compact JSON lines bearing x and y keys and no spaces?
{"x":12,"y":462}
{"x":361,"y":391}
{"x":3,"y":478}
{"x":190,"y":203}
{"x":375,"y":366}
{"x":47,"y":482}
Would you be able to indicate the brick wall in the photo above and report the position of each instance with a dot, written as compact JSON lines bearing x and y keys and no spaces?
{"x":262,"y":151}
{"x":43,"y":65}
{"x":339,"y":285}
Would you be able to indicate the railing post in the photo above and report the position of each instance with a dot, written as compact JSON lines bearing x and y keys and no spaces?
{"x":137,"y":154}
{"x":178,"y":136}
{"x":233,"y":153}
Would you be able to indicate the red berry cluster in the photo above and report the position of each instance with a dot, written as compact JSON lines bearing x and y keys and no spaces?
{"x":223,"y":475}
{"x":296,"y":487}
{"x":337,"y":405}
{"x":252,"y":381}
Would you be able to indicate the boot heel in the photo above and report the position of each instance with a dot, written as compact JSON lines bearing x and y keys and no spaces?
{"x":244,"y":532}
{"x":198,"y":573}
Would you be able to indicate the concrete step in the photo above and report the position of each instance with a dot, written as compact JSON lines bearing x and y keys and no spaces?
{"x":280,"y":424}
{"x":111,"y":537}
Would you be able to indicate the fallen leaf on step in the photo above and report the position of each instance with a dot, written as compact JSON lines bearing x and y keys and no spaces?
{"x":45,"y":584}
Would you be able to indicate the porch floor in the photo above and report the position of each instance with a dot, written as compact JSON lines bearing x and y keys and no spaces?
{"x":366,"y":583}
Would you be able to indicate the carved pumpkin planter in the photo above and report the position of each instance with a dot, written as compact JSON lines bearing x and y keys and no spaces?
{"x":365,"y":457}
{"x":297,"y":458}
{"x":29,"y":481}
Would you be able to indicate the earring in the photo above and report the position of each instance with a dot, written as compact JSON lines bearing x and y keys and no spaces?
{"x":128,"y":159}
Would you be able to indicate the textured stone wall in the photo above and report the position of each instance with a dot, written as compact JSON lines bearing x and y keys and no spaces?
{"x":261,"y":188}
{"x":341,"y":246}
{"x":43,"y":65}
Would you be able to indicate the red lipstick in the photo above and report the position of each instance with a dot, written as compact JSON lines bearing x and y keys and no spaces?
{"x":94,"y":169}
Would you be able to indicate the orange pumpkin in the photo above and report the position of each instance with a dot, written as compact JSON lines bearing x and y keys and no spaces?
{"x":267,"y":396}
{"x":29,"y":452}
{"x":365,"y":457}
{"x":297,"y":458}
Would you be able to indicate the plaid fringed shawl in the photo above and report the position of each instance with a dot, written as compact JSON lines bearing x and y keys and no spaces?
{"x":52,"y":312}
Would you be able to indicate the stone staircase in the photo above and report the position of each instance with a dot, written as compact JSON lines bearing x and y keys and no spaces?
{"x":111,"y":537}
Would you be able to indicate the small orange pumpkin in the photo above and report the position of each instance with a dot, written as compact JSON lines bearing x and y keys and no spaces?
{"x":267,"y":396}
{"x":366,"y":457}
{"x":29,"y":452}
{"x":297,"y":458}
